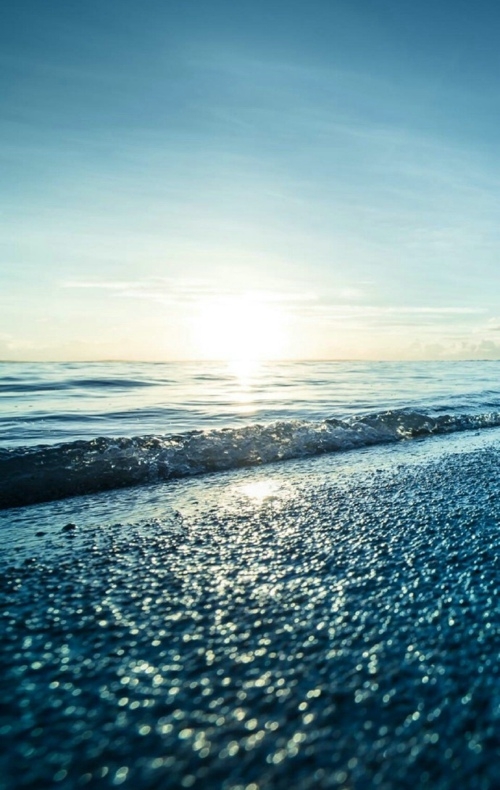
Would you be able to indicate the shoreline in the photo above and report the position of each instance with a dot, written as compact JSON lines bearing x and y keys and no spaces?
{"x":318,"y":623}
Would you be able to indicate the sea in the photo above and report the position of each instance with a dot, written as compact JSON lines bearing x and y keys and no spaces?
{"x":78,"y":428}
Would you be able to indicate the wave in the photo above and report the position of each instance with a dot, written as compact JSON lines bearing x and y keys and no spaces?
{"x":43,"y":473}
{"x":11,"y":385}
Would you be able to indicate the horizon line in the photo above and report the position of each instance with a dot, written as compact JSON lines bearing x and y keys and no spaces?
{"x":123,"y":361}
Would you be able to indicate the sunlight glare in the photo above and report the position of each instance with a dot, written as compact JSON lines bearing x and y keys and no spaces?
{"x":240,"y":330}
{"x":260,"y":490}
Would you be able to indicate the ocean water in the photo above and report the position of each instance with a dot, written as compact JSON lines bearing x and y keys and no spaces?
{"x":74,"y":428}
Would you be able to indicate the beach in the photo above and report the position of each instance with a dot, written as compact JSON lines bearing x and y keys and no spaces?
{"x":249,"y":396}
{"x":322,"y":623}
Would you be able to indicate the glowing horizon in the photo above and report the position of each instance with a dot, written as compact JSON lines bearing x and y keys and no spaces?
{"x":249,"y":180}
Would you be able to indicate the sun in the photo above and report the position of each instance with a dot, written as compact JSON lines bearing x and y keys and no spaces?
{"x":240,"y":330}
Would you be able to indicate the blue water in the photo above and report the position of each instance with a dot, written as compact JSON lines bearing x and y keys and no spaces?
{"x":48,"y":403}
{"x":70,"y":428}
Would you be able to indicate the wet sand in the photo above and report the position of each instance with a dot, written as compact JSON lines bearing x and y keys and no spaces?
{"x":331,"y":623}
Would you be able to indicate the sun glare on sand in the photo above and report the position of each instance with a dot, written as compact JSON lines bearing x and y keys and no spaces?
{"x":242,"y":331}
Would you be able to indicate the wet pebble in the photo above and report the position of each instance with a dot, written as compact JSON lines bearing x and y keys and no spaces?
{"x":342,"y":636}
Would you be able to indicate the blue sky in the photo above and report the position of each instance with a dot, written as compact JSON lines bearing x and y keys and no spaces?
{"x":311,"y":180}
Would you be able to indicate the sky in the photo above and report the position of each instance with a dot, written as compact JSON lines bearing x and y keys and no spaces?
{"x":192,"y":179}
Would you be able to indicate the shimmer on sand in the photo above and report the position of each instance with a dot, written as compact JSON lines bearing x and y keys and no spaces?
{"x":317,"y":624}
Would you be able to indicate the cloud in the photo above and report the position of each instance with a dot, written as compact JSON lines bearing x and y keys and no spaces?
{"x":464,"y":349}
{"x":493,"y":325}
{"x":10,"y":344}
{"x":341,"y":303}
{"x":170,"y":290}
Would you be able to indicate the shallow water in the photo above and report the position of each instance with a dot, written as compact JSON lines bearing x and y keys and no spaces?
{"x":76,"y":428}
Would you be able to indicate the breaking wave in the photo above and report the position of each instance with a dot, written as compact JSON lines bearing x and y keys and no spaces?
{"x":43,"y":473}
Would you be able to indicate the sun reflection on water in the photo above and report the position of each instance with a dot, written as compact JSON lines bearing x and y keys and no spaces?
{"x":246,"y":375}
{"x":245,"y":370}
{"x":259,"y":490}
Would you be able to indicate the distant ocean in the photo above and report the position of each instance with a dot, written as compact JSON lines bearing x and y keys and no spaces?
{"x":74,"y":428}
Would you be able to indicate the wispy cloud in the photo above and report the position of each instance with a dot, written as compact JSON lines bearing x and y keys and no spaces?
{"x":343,"y":301}
{"x":187,"y":291}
